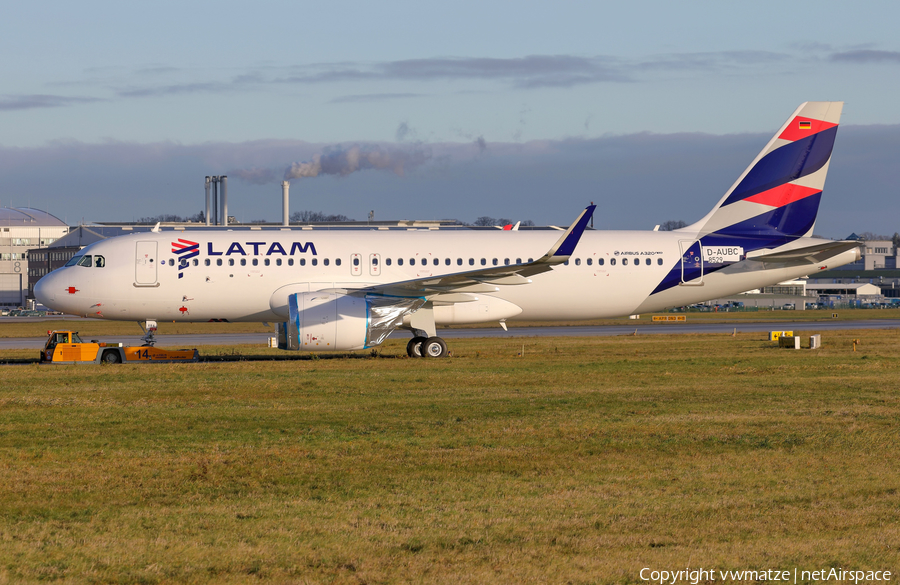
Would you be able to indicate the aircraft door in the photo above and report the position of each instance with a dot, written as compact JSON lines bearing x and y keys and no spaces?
{"x":691,"y":262}
{"x":374,"y":264}
{"x":355,"y":264}
{"x":145,"y":264}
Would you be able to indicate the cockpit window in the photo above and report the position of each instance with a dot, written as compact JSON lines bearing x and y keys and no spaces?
{"x":99,"y":261}
{"x":74,"y":260}
{"x":85,"y":260}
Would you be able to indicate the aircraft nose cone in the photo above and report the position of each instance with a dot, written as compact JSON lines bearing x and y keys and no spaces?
{"x":43,"y":291}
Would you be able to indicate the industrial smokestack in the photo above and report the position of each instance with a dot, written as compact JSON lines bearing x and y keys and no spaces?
{"x":285,"y":186}
{"x":224,"y":180}
{"x":207,"y":200}
{"x":215,"y":199}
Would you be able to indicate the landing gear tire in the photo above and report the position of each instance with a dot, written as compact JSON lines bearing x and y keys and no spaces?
{"x":434,"y":347}
{"x":414,"y":347}
{"x":111,"y":357}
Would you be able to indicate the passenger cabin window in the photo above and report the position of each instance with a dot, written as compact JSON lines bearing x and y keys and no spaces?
{"x":325,"y":261}
{"x":315,"y":261}
{"x":266,"y":262}
{"x":277,"y":261}
{"x":600,"y":261}
{"x":471,"y":261}
{"x":447,"y":262}
{"x":218,"y":261}
{"x":612,"y":261}
{"x":577,"y":261}
{"x":356,"y":262}
{"x":337,"y":261}
{"x":436,"y":262}
{"x":459,"y":261}
{"x":243,"y":261}
{"x":624,"y":261}
{"x":484,"y":261}
{"x":231,"y":261}
{"x":206,"y":262}
{"x":387,"y":261}
{"x":290,"y":261}
{"x":590,"y":261}
{"x":399,"y":261}
{"x":302,"y":261}
{"x":647,"y":262}
{"x":659,"y":261}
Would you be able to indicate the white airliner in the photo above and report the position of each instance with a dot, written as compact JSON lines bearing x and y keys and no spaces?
{"x":350,"y":289}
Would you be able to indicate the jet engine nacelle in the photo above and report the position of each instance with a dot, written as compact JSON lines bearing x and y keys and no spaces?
{"x":335,"y":321}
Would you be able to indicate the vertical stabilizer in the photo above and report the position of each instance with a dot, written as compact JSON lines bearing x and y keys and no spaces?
{"x":777,"y":198}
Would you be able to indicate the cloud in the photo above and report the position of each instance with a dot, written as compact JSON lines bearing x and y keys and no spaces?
{"x":638,"y":180}
{"x":710,"y":61}
{"x":34,"y":101}
{"x":865,"y":56}
{"x":525,"y":72}
{"x":175,"y":89}
{"x":255,"y":175}
{"x":372,"y":97}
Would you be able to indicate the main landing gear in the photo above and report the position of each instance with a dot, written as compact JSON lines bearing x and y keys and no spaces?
{"x":431,"y":347}
{"x":425,"y":342}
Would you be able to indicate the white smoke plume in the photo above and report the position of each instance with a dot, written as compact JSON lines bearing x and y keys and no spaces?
{"x":342,"y":162}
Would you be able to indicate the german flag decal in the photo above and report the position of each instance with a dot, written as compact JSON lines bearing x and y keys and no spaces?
{"x":805,"y":125}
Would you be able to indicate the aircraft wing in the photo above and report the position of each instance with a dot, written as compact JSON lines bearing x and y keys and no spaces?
{"x":488,"y":279}
{"x":812,"y":254}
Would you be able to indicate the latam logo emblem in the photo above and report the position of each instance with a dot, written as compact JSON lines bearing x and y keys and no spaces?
{"x":186,"y":250}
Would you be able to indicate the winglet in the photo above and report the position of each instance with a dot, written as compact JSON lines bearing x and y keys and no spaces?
{"x":565,"y":246}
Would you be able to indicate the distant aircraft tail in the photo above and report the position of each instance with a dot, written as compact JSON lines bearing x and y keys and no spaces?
{"x":775,"y":201}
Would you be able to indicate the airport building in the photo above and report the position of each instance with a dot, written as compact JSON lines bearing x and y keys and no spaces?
{"x":21,"y":229}
{"x":876,"y":255}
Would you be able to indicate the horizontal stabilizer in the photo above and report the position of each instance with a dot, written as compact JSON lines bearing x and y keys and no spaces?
{"x":812,"y":254}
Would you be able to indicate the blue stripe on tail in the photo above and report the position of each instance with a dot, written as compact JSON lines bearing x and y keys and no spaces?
{"x":785,"y":164}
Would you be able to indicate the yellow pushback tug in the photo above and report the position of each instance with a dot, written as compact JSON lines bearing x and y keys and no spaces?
{"x":66,"y":347}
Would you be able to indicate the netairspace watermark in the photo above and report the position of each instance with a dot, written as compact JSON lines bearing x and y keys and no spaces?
{"x":701,"y":575}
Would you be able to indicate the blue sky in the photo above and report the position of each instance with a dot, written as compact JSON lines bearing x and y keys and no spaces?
{"x":524,"y":110}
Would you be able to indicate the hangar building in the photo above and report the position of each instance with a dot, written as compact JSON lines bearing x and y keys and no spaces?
{"x":22,"y":228}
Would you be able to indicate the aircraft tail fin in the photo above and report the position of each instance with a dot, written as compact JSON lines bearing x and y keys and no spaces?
{"x":776,"y":199}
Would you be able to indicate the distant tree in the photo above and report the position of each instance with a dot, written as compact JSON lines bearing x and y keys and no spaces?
{"x":670,"y":225}
{"x":527,"y":222}
{"x":316,"y":216}
{"x":896,"y":241}
{"x":172,"y":218}
{"x":869,"y":236}
{"x":485,"y":221}
{"x":163,"y":217}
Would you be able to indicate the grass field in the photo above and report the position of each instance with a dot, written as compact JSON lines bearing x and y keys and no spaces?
{"x":583,"y":461}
